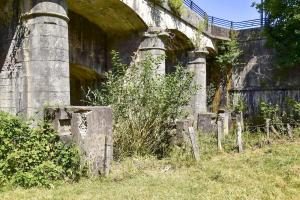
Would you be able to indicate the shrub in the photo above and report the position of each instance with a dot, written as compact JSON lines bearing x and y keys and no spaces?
{"x":145,"y":105}
{"x":34,"y":157}
{"x":293,"y":111}
{"x":176,"y":6}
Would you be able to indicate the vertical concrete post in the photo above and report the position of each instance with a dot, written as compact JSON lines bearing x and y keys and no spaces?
{"x":153,"y":44}
{"x":45,"y":55}
{"x":239,"y":136}
{"x":197,"y":64}
{"x":219,"y":135}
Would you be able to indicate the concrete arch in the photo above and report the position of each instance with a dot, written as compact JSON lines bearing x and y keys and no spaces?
{"x":178,"y":41}
{"x":159,"y":17}
{"x":112,"y":16}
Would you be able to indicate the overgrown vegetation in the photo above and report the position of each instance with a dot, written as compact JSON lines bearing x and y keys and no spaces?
{"x":269,"y":173}
{"x":176,"y":6}
{"x":198,"y":40}
{"x":34,"y":157}
{"x":282,"y":30}
{"x":145,"y":105}
{"x":229,"y":53}
{"x":279,"y":118}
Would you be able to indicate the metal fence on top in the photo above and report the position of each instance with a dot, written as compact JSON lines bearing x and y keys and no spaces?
{"x":255,"y":23}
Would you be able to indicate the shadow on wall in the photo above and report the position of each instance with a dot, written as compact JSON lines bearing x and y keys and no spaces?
{"x":8,"y":27}
{"x":81,"y":79}
{"x":258,"y":79}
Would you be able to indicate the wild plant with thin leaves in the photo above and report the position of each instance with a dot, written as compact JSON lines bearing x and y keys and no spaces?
{"x":145,"y":105}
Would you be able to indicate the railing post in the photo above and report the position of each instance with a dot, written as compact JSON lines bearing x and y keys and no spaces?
{"x":231,"y":25}
{"x":212,"y":20}
{"x":191,"y":6}
{"x":262,"y":15}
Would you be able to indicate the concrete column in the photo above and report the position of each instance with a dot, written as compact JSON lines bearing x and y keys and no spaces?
{"x":153,"y":44}
{"x":45,"y":55}
{"x":197,"y":64}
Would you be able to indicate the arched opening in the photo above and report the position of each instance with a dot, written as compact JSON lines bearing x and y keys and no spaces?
{"x":177,"y":46}
{"x":95,"y":29}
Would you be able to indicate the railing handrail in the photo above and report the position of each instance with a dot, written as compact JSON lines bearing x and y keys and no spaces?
{"x":254,"y":23}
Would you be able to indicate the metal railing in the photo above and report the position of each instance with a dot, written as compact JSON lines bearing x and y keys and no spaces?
{"x":255,"y":23}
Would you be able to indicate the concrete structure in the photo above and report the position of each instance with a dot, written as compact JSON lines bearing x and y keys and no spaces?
{"x":51,"y":49}
{"x":256,"y":79}
{"x":197,"y":64}
{"x":91,"y":129}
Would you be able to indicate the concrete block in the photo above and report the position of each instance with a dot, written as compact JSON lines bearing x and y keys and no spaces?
{"x":207,"y":123}
{"x":91,"y":129}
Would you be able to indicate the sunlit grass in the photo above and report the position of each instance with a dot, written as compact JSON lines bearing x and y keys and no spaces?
{"x":272,"y":172}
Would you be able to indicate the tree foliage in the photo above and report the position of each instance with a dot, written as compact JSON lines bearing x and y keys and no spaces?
{"x":283,"y":30}
{"x":229,"y":52}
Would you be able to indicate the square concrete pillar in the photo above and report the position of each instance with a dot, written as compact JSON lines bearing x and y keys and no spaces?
{"x":91,"y":129}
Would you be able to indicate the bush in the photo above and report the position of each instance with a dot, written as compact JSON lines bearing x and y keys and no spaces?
{"x":176,"y":6}
{"x":34,"y":157}
{"x":145,"y":105}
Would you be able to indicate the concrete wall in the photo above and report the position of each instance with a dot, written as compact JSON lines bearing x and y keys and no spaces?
{"x":11,"y":73}
{"x":61,"y":45}
{"x":256,"y":79}
{"x":88,"y":43}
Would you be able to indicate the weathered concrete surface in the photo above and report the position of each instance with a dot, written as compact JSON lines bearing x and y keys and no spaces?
{"x":88,"y":43}
{"x":91,"y":129}
{"x":36,"y":72}
{"x":163,"y":17}
{"x":153,"y":45}
{"x":11,"y":75}
{"x":207,"y":123}
{"x":113,"y":16}
{"x":257,"y":78}
{"x":45,"y":54}
{"x":197,"y":65}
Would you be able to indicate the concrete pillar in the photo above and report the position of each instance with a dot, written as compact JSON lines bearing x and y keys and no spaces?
{"x":197,"y":64}
{"x":45,"y":55}
{"x":153,"y":44}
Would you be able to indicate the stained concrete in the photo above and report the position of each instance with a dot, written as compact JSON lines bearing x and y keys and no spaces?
{"x":257,"y":79}
{"x":91,"y":129}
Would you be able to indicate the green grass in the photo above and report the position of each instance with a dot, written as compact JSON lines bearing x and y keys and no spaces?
{"x":272,"y":172}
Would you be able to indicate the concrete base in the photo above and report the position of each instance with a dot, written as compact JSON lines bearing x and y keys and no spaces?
{"x":206,"y":123}
{"x":91,"y":129}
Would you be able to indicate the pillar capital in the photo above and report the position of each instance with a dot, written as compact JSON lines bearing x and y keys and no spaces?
{"x":154,"y":31}
{"x":154,"y":39}
{"x":197,"y":56}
